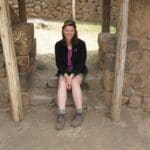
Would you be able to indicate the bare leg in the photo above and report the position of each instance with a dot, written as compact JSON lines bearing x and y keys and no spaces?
{"x":76,"y":91}
{"x":62,"y":93}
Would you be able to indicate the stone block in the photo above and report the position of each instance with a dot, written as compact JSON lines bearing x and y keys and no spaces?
{"x":135,"y":56}
{"x":23,"y":35}
{"x":93,"y":83}
{"x":52,"y":82}
{"x":108,"y":79}
{"x":146,"y":44}
{"x":124,"y":100}
{"x":1,"y":49}
{"x":23,"y":63}
{"x":3,"y":84}
{"x":25,"y":80}
{"x":40,"y":100}
{"x":108,"y":98}
{"x":3,"y":72}
{"x":139,"y":81}
{"x":132,"y":44}
{"x":127,"y":80}
{"x":25,"y":98}
{"x":2,"y":61}
{"x":33,"y":51}
{"x":135,"y":101}
{"x":107,"y":42}
{"x":4,"y":98}
{"x":14,"y":17}
{"x":146,"y":103}
{"x":146,"y":90}
{"x":109,"y":62}
{"x":142,"y":66}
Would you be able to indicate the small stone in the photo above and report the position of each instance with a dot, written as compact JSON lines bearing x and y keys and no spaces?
{"x":135,"y":101}
{"x":125,"y":100}
{"x":52,"y":82}
{"x":146,"y":103}
{"x":132,"y":44}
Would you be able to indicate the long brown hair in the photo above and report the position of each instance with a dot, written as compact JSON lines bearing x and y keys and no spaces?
{"x":75,"y":37}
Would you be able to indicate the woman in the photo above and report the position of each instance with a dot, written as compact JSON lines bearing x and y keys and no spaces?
{"x":70,"y":53}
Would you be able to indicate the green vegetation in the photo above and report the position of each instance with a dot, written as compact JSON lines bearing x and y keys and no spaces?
{"x":93,"y":27}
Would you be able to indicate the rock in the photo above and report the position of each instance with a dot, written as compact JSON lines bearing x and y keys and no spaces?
{"x":40,"y":99}
{"x":109,"y":62}
{"x":2,"y":61}
{"x":124,"y":100}
{"x":107,"y":42}
{"x":127,"y":91}
{"x":3,"y":84}
{"x":52,"y":82}
{"x":128,"y":65}
{"x":93,"y":83}
{"x":1,"y":50}
{"x":142,"y":66}
{"x":108,"y":79}
{"x":23,"y":63}
{"x":25,"y":80}
{"x":23,"y":35}
{"x":4,"y":98}
{"x":14,"y":17}
{"x":146,"y":103}
{"x":37,"y":9}
{"x":135,"y":56}
{"x":135,"y":101}
{"x":139,"y":81}
{"x":108,"y":98}
{"x":44,"y":6}
{"x":132,"y":44}
{"x":3,"y":72}
{"x":25,"y":98}
{"x":146,"y":45}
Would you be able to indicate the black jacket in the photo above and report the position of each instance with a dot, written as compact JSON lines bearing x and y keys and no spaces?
{"x":78,"y":57}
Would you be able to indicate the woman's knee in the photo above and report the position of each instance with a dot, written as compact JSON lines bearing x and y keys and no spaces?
{"x":76,"y":81}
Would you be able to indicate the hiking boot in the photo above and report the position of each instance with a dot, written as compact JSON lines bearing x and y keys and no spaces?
{"x":77,"y":119}
{"x":60,"y":121}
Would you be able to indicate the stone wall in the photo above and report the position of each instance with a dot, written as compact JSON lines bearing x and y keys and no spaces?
{"x":25,"y":46}
{"x":136,"y":89}
{"x":88,"y":10}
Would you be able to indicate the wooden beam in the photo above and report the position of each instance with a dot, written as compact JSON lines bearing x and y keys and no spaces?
{"x":106,"y":15}
{"x":22,"y":10}
{"x":10,"y":61}
{"x":73,"y":10}
{"x":120,"y":61}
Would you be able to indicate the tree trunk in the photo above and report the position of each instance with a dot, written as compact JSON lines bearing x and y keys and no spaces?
{"x":120,"y":61}
{"x":10,"y":61}
{"x":106,"y":15}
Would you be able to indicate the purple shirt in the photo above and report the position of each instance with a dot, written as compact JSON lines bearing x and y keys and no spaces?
{"x":70,"y":66}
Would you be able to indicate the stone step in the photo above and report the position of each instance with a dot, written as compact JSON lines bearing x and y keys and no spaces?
{"x":90,"y":83}
{"x":91,"y":99}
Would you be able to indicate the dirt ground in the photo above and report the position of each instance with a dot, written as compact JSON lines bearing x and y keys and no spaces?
{"x":98,"y":132}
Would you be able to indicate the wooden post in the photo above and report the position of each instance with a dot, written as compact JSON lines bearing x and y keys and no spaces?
{"x":120,"y":61}
{"x":10,"y":61}
{"x":22,"y":10}
{"x":73,"y":10}
{"x":106,"y":15}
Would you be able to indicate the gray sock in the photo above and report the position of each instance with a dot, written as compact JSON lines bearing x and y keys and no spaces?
{"x":79,"y":110}
{"x":61,"y":111}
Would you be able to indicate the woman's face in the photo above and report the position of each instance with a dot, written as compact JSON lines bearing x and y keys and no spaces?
{"x":69,"y":32}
